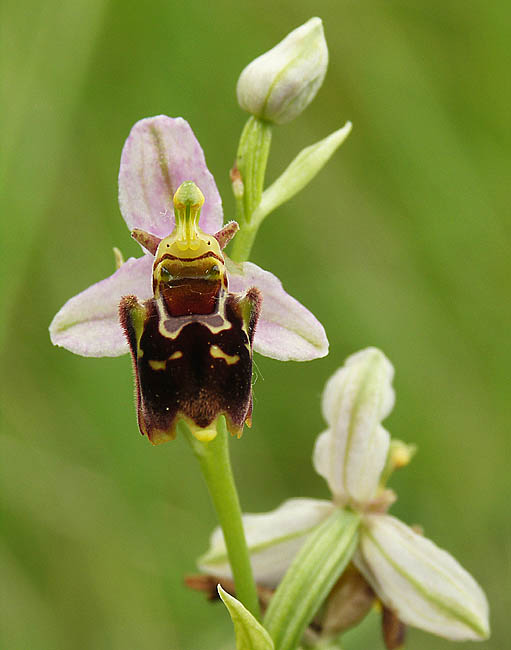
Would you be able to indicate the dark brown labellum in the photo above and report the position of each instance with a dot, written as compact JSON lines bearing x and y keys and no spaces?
{"x":199,"y":369}
{"x":191,"y":343}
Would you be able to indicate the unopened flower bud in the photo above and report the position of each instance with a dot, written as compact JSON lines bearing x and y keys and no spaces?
{"x":280,"y":84}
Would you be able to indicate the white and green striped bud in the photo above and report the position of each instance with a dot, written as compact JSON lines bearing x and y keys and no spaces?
{"x":280,"y":84}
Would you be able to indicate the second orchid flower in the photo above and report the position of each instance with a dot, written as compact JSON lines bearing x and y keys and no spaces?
{"x":421,"y":584}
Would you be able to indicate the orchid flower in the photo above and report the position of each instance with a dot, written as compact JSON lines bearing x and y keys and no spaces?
{"x":421,"y":584}
{"x":162,"y":163}
{"x":160,"y":154}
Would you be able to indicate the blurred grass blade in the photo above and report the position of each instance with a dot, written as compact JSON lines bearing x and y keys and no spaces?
{"x":45,"y":49}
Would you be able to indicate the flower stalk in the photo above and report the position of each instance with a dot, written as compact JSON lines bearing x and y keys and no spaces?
{"x":251,"y":161}
{"x":216,"y":468}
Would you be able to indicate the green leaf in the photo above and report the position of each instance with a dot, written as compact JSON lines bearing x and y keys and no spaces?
{"x":250,"y":634}
{"x":311,"y":576}
{"x":300,"y":172}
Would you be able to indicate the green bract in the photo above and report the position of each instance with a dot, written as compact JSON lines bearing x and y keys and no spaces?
{"x":300,"y":172}
{"x":250,"y":634}
{"x":311,"y":576}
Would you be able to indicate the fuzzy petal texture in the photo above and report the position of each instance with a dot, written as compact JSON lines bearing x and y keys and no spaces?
{"x":423,"y":584}
{"x":161,"y":153}
{"x":273,"y":539}
{"x":286,"y":330}
{"x":88,"y":324}
{"x":351,"y":454}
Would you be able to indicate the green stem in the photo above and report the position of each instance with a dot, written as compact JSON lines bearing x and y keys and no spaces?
{"x":216,"y":467}
{"x":242,"y":244}
{"x":213,"y":456}
{"x":251,"y":160}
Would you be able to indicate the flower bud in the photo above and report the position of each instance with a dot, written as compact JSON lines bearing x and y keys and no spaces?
{"x":400,"y":454}
{"x":280,"y":84}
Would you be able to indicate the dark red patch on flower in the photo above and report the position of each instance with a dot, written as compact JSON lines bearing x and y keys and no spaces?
{"x":200,"y":367}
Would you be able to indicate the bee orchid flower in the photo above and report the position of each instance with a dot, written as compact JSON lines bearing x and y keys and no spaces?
{"x":184,"y":282}
{"x":418,"y":582}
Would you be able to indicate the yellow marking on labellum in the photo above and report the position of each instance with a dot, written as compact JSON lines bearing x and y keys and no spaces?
{"x":205,"y":435}
{"x":159,"y":435}
{"x":177,"y":355}
{"x":183,"y":321}
{"x":218,"y":353}
{"x":157,"y":365}
{"x":135,"y":315}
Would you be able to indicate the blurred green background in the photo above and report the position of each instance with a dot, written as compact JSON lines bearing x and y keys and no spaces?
{"x":401,"y":242}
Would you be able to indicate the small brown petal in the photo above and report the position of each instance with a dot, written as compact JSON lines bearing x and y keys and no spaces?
{"x":394,"y":631}
{"x":208,"y":584}
{"x":348,"y":603}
